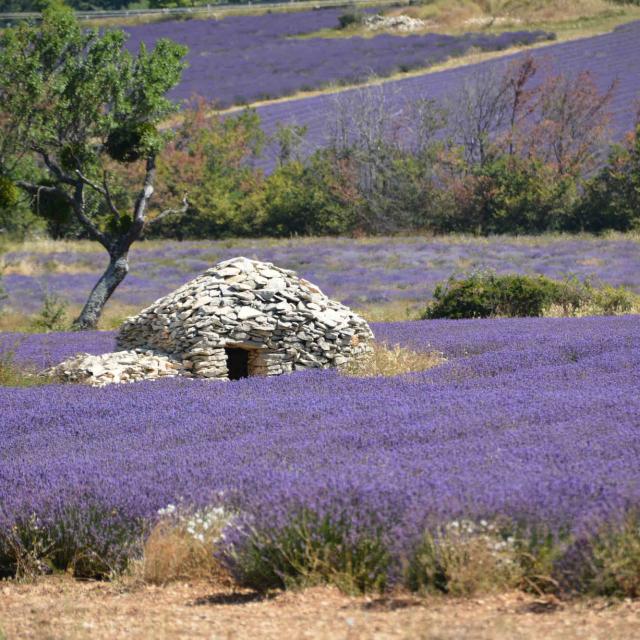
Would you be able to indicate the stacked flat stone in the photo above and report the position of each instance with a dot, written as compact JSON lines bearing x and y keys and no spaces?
{"x":114,"y":368}
{"x":283,"y":321}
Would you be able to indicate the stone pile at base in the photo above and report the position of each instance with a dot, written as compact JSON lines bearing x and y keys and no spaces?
{"x":116,"y":367}
{"x":241,"y":318}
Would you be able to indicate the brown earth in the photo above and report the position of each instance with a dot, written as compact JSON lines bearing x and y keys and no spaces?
{"x":61,"y":607}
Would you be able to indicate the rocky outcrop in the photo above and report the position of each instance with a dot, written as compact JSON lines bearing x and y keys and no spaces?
{"x":240,"y":318}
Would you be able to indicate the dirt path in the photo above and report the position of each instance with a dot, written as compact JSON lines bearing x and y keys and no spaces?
{"x":64,"y":608}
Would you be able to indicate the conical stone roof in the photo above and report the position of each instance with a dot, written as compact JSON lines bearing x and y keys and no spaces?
{"x":284,"y":322}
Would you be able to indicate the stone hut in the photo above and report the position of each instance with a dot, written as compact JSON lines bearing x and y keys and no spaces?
{"x":244,"y":318}
{"x":241,"y":318}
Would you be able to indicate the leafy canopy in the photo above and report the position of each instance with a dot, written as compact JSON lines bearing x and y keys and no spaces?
{"x":65,"y":92}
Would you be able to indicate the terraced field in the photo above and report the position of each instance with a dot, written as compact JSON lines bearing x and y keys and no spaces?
{"x":612,"y":56}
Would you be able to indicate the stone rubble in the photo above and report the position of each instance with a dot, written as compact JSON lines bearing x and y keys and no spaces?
{"x":284,"y":322}
{"x":403,"y":23}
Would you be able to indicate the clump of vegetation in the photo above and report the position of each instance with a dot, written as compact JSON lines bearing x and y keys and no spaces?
{"x":182,"y":546}
{"x":351,"y":18}
{"x":485,"y":294}
{"x":311,"y":550}
{"x":53,"y":315}
{"x":384,"y":360}
{"x":15,"y":375}
{"x":464,"y":558}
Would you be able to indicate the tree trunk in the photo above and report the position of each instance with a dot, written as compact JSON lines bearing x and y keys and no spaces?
{"x":110,"y":279}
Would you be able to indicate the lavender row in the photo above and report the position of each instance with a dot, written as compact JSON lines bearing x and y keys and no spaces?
{"x":377,"y":271}
{"x":242,"y":59}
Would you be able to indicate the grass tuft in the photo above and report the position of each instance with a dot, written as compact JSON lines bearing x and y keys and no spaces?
{"x":183,"y":547}
{"x":392,"y":361}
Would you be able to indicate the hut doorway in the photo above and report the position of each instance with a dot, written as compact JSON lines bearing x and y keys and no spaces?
{"x":237,"y":363}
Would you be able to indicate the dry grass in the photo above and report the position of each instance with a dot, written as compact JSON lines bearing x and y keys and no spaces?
{"x":392,"y":361}
{"x":114,"y":315}
{"x":172,"y":553}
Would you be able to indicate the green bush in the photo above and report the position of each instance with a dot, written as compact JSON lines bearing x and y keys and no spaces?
{"x":611,"y":200}
{"x":52,"y":315}
{"x":484,"y":294}
{"x":352,"y":17}
{"x":508,"y":195}
{"x":312,"y":550}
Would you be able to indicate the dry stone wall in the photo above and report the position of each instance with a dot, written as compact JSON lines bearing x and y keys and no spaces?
{"x":242,"y":317}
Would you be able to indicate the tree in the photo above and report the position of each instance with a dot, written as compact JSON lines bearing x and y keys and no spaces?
{"x":76,"y":102}
{"x":612,"y":197}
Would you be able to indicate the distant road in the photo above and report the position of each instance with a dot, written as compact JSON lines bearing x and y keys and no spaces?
{"x":213,"y":9}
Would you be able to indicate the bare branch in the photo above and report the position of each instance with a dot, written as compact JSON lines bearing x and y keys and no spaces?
{"x":89,"y":183}
{"x":168,"y":212}
{"x":107,"y":195}
{"x":54,"y":168}
{"x":35,"y":189}
{"x":79,"y":209}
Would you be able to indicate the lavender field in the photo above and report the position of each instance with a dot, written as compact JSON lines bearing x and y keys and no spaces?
{"x":606,"y":57}
{"x":372,"y":272}
{"x":242,"y":59}
{"x":535,"y":420}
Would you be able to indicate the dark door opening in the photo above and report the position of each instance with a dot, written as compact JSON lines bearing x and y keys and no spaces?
{"x":237,"y":363}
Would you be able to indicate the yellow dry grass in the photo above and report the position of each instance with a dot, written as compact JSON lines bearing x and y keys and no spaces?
{"x":171,"y":553}
{"x":394,"y":360}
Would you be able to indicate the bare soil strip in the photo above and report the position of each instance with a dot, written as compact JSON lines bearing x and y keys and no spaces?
{"x":61,"y":607}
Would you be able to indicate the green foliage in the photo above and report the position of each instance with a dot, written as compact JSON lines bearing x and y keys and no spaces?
{"x":298,"y":200}
{"x":52,"y":315}
{"x":612,"y":198}
{"x":54,"y":208}
{"x":78,"y":97}
{"x":462,"y":560}
{"x":484,"y":294}
{"x":507,"y":194}
{"x":615,"y":560}
{"x":15,"y":375}
{"x":131,"y":142}
{"x":87,"y":541}
{"x":538,"y":552}
{"x":313,"y":550}
{"x":9,"y":193}
{"x":351,"y":18}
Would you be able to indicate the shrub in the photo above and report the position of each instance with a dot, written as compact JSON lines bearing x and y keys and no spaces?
{"x":350,"y":18}
{"x":88,"y":540}
{"x":310,"y":549}
{"x":9,"y":193}
{"x":463,"y":558}
{"x":506,"y":194}
{"x":52,"y":315}
{"x":615,"y":554}
{"x":183,"y":545}
{"x":612,"y":198}
{"x":484,"y":294}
